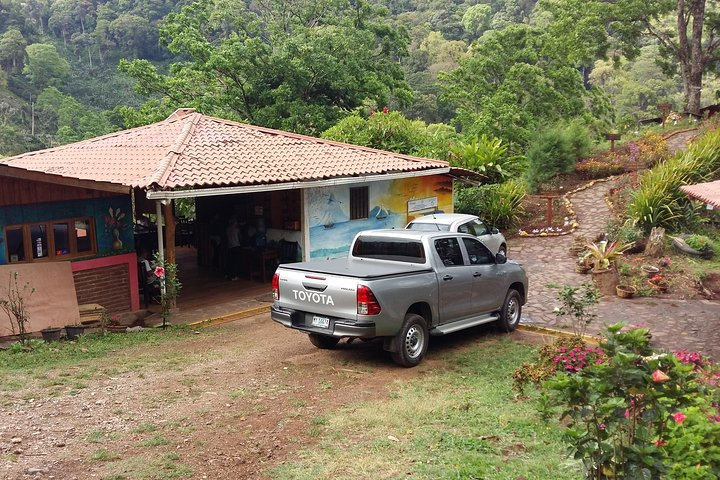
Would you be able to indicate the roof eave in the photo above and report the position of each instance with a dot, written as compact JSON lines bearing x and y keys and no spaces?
{"x":236,"y":189}
{"x":32,"y":175}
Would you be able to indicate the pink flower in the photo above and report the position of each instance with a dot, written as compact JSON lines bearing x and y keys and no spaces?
{"x":659,"y":376}
{"x":602,"y":426}
{"x":627,"y":413}
{"x":159,"y":272}
{"x":679,"y":417}
{"x":660,"y":442}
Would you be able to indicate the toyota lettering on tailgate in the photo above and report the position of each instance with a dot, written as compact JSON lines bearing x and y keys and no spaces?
{"x":313,"y":297}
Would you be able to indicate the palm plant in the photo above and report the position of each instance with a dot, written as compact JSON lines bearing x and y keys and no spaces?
{"x":603,"y":254}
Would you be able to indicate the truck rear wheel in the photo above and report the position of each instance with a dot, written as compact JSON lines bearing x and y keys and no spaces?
{"x":511,"y":311}
{"x":412,"y":341}
{"x":323,"y":341}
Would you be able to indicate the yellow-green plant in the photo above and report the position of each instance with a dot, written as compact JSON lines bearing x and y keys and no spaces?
{"x":603,"y":254}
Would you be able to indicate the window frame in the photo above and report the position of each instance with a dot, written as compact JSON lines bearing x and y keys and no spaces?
{"x":49,"y":226}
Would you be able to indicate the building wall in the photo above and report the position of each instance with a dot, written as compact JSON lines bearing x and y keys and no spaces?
{"x":108,"y":286}
{"x":97,"y":208}
{"x":392,"y":204}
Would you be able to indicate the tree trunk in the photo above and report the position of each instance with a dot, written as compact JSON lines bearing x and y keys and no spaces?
{"x":690,"y":51}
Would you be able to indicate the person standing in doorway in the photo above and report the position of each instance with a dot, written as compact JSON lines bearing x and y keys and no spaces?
{"x":234,"y":249}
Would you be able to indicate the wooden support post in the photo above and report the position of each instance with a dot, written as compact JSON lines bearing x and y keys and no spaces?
{"x":169,"y":218}
{"x":549,"y":211}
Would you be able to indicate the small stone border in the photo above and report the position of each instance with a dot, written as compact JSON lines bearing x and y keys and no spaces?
{"x":557,"y":333}
{"x":574,"y":225}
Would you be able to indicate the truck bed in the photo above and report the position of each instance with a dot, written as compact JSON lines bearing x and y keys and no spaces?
{"x":358,"y":267}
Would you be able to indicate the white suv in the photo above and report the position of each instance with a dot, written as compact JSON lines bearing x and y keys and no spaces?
{"x":459,"y":222}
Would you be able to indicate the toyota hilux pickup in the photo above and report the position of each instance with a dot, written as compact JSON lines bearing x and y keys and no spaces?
{"x":402,"y":286}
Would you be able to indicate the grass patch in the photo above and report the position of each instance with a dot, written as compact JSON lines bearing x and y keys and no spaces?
{"x":156,"y":440}
{"x":145,"y":427}
{"x":165,"y":467}
{"x":101,"y":436}
{"x":459,"y":423}
{"x":104,"y":455}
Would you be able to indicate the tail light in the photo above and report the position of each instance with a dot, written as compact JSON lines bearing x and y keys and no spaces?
{"x":367,"y":304}
{"x":276,"y":287}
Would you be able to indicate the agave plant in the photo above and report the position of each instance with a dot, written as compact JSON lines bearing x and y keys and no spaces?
{"x":603,"y":254}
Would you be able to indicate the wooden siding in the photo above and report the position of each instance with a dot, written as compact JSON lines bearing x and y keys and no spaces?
{"x":14,"y":191}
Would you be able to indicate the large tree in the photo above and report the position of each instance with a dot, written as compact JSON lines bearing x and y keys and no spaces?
{"x":687,"y":31}
{"x":512,"y":84}
{"x":294,"y":65}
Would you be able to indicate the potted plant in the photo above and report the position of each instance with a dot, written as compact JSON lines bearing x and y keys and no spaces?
{"x":51,"y":334}
{"x":626,"y":291}
{"x":73,"y":331}
{"x":650,"y":270}
{"x":658,"y":283}
{"x":113,"y":325}
{"x":604,"y":254}
{"x":582,"y":265}
{"x":699,"y":245}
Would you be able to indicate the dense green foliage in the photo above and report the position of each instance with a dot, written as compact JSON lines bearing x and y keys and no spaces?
{"x":394,"y":132}
{"x":303,"y":66}
{"x":659,"y":200}
{"x":555,"y":150}
{"x":499,"y":204}
{"x":638,"y":413}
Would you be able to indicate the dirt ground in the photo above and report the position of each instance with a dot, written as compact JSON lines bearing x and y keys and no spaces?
{"x":228,"y":402}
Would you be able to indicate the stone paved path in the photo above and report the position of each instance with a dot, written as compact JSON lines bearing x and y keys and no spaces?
{"x":674,"y":324}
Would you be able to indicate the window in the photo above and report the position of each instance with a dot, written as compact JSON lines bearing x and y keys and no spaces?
{"x":480,"y":228}
{"x":448,"y":249}
{"x":397,"y":249}
{"x":51,"y":240}
{"x":477,"y":252}
{"x":359,"y":203}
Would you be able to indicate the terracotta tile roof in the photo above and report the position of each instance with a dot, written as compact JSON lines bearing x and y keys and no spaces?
{"x":708,"y":192}
{"x":189,"y":149}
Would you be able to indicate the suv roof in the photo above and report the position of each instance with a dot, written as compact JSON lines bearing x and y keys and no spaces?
{"x":444,"y":218}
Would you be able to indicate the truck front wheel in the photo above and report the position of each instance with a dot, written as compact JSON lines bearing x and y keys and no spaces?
{"x":323,"y":341}
{"x":412,"y":341}
{"x":511,"y":311}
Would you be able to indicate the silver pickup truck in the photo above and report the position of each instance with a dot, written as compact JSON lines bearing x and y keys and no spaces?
{"x":402,"y":286}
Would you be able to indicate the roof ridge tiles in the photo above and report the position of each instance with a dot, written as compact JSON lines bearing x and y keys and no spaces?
{"x":322,"y":141}
{"x":166,"y":165}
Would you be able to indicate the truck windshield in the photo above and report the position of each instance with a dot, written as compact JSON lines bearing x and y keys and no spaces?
{"x":397,"y":249}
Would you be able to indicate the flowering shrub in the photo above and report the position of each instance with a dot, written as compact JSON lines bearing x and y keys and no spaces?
{"x":576,"y":359}
{"x":170,"y":284}
{"x":664,"y":262}
{"x":597,"y":168}
{"x":548,"y":362}
{"x":640,"y":414}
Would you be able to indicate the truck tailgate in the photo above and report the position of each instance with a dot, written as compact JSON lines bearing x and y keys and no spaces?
{"x":318,"y":293}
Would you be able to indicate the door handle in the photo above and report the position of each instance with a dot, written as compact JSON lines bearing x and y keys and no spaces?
{"x":447,"y":277}
{"x":477,"y":274}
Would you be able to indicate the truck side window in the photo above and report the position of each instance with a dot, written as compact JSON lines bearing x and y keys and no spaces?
{"x":448,"y":249}
{"x":477,"y":252}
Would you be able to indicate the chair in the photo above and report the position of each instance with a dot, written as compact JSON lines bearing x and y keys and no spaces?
{"x":287,"y":251}
{"x":146,"y":290}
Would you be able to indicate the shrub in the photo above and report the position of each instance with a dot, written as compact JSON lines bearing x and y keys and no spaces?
{"x":699,"y":242}
{"x":659,"y":200}
{"x":499,"y":204}
{"x":599,"y":168}
{"x":486,"y":155}
{"x":549,"y":154}
{"x":640,"y":414}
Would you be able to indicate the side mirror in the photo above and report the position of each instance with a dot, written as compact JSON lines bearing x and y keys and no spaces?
{"x":494,"y":231}
{"x":500,"y":258}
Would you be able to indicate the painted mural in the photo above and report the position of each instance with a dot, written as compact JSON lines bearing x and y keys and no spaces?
{"x":113,"y":221}
{"x":392,"y":204}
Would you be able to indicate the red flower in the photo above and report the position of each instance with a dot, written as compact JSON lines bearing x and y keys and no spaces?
{"x":159,"y":272}
{"x":659,"y":376}
{"x":679,"y":417}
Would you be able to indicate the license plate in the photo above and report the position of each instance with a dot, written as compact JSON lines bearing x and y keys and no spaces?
{"x":322,"y":322}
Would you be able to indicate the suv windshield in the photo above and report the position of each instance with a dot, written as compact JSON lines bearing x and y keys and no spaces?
{"x":397,"y":249}
{"x":428,"y":227}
